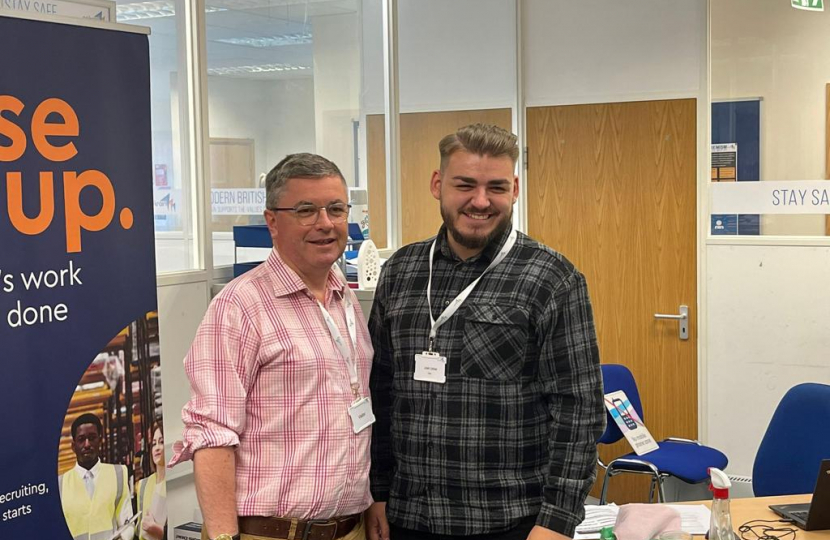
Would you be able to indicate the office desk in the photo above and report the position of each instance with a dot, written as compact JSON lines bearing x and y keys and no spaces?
{"x":744,"y":510}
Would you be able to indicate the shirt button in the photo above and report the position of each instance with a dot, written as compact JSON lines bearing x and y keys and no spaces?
{"x":446,"y":302}
{"x":429,"y":445}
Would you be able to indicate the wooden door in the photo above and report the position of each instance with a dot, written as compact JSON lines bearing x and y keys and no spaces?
{"x":612,"y":187}
{"x":420,"y":133}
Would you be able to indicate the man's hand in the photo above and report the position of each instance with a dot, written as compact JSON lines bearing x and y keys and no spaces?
{"x":541,"y":533}
{"x":377,"y":528}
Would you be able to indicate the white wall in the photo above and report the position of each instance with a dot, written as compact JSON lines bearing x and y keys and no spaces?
{"x":455,"y":55}
{"x":181,"y":308}
{"x":598,"y":51}
{"x":769,"y":329}
{"x":767,"y":49}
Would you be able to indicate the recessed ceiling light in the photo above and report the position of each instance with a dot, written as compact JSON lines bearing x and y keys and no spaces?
{"x":261,"y":68}
{"x":274,"y":41}
{"x":152,"y":10}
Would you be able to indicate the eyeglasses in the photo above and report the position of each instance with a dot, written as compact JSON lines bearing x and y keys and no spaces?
{"x":308,"y":214}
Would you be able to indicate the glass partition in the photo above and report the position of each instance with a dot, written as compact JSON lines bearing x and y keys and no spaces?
{"x":769,"y":80}
{"x":172,"y":179}
{"x":283,"y":77}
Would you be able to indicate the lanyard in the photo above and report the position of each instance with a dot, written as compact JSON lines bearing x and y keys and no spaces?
{"x":341,"y":344}
{"x":455,"y":304}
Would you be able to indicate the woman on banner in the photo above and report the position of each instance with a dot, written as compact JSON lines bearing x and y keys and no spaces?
{"x":152,"y":491}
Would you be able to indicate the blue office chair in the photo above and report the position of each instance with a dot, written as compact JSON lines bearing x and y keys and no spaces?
{"x":682,"y":458}
{"x":353,"y":241}
{"x":797,"y":439}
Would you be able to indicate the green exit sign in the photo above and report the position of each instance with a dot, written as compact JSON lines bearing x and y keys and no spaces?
{"x":810,"y":5}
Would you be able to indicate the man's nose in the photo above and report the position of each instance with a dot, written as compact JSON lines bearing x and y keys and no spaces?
{"x":480,"y":199}
{"x":323,"y":220}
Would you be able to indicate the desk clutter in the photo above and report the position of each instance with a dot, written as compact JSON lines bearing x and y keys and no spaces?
{"x":643,"y":521}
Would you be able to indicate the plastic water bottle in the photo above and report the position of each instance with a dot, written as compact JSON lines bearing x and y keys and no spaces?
{"x":720,"y":526}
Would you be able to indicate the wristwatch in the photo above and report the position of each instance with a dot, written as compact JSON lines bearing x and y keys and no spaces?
{"x":227,"y":537}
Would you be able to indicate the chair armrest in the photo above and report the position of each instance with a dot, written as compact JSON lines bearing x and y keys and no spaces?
{"x":681,"y":440}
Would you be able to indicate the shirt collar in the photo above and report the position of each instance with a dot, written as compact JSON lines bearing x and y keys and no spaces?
{"x":286,"y":281}
{"x":82,"y":472}
{"x":487,"y":254}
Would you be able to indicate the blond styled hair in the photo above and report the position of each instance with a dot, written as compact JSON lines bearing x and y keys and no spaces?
{"x":480,"y":139}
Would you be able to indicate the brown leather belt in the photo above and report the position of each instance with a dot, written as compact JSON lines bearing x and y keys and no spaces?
{"x":295,"y":529}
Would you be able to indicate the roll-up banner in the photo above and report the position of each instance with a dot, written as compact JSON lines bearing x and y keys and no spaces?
{"x":80,"y":392}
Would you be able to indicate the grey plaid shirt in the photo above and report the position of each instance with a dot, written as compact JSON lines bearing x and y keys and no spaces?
{"x":513,"y":431}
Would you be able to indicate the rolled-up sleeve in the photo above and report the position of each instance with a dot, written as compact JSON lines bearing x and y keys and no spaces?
{"x":570,"y":370}
{"x":221,"y":364}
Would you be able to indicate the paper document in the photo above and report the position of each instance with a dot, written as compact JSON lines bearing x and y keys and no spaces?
{"x":694,"y":518}
{"x":597,"y":517}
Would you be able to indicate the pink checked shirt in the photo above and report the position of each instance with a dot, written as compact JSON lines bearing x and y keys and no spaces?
{"x":266,"y":375}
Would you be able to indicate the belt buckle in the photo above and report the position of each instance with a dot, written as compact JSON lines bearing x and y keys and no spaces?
{"x":311,"y":522}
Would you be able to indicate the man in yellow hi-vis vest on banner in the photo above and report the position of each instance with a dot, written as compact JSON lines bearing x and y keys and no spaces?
{"x":95,"y":496}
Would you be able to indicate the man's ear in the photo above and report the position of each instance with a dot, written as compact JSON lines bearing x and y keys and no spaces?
{"x":435,"y":184}
{"x":515,"y":189}
{"x":271,"y":222}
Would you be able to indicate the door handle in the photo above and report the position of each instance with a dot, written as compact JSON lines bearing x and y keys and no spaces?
{"x":682,"y":319}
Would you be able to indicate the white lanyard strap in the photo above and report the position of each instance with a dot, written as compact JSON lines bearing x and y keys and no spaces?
{"x":340,"y":343}
{"x":455,"y":304}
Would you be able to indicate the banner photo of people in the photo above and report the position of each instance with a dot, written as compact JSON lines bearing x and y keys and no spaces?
{"x":80,"y":387}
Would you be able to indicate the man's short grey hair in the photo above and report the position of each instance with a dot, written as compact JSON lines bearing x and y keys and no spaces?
{"x":297,"y":166}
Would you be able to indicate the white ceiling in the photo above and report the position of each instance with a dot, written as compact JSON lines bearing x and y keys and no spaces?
{"x":240,"y":20}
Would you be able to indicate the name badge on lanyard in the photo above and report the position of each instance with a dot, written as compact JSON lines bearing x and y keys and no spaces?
{"x":360,"y":411}
{"x":361,"y":414}
{"x":429,"y":365}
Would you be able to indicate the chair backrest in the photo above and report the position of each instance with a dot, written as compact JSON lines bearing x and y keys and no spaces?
{"x":618,"y":377}
{"x":355,"y":232}
{"x":797,"y":439}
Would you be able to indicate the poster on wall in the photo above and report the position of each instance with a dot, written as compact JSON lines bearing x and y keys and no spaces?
{"x":736,"y":125}
{"x":724,"y":169}
{"x":80,"y":391}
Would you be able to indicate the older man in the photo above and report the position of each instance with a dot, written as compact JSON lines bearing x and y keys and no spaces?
{"x":279,"y":415}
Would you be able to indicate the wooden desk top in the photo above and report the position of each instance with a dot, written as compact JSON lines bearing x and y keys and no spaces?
{"x":744,"y":510}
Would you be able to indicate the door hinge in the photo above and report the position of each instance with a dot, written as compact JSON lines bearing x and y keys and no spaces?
{"x":525,"y":159}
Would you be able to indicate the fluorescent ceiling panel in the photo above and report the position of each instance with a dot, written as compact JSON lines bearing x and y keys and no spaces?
{"x":152,"y":10}
{"x":267,"y":42}
{"x":261,"y":68}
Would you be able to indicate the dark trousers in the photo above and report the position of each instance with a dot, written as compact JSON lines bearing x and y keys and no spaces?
{"x":519,"y":532}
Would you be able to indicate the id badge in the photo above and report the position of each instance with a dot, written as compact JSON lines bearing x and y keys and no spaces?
{"x":430,"y":367}
{"x":361,"y":413}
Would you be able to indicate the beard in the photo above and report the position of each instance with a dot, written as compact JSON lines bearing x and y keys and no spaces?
{"x":476,"y":241}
